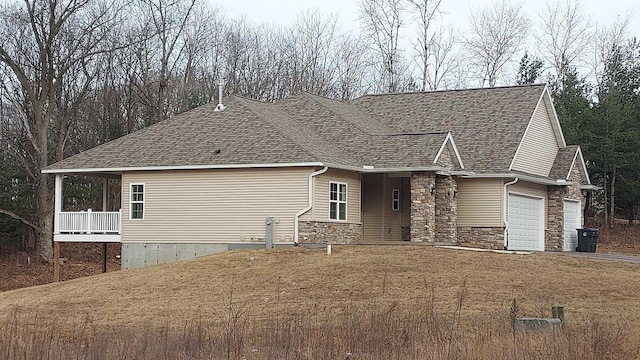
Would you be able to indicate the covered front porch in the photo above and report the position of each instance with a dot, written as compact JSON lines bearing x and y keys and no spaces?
{"x":411,"y":206}
{"x":88,"y":225}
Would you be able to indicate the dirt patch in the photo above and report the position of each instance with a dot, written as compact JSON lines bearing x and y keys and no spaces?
{"x":620,"y":239}
{"x":21,"y":270}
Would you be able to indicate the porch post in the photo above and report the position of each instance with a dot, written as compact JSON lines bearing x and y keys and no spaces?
{"x":57,"y":204}
{"x":105,"y":190}
{"x":56,"y":261}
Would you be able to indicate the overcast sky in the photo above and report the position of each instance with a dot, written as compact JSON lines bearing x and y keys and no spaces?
{"x":282,"y":12}
{"x":602,"y":13}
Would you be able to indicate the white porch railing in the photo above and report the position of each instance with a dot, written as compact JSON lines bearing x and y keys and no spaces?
{"x":89,"y":222}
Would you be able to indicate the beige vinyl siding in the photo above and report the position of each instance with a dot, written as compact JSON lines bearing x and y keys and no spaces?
{"x":530,"y":189}
{"x":377,"y":195}
{"x":224,"y":205}
{"x":539,"y":147}
{"x":480,"y":202}
{"x":371,"y":205}
{"x":320,"y":209}
{"x":392,"y":219}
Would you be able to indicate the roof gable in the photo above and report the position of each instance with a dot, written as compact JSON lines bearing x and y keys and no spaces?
{"x":448,"y":155}
{"x":569,"y":162}
{"x":541,"y":140}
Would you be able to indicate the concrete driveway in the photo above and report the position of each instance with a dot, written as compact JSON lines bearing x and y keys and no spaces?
{"x":599,"y":256}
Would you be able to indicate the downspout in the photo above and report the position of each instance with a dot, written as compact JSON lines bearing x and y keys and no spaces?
{"x":296,"y":238}
{"x":504,"y":206}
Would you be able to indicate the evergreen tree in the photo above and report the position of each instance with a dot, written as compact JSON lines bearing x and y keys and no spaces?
{"x":530,"y":70}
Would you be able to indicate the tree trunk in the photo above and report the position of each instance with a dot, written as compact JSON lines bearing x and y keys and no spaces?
{"x":44,"y":230}
{"x":612,"y":203}
{"x":605,"y":198}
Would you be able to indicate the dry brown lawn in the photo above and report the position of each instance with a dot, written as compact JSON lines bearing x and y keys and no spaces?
{"x":302,"y":281}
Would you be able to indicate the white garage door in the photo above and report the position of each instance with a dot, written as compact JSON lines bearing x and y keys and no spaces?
{"x":526,"y":223}
{"x":571,"y":223}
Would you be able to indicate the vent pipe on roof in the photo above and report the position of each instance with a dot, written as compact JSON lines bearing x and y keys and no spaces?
{"x":220,"y":106}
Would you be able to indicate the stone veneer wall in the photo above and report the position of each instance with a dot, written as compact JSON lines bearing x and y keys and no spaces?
{"x":554,"y":238}
{"x":423,"y":206}
{"x":322,"y":232}
{"x":481,"y":237}
{"x":446,"y":209}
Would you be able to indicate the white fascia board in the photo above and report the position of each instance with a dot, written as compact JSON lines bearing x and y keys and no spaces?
{"x":573,"y":163}
{"x":241,"y":166}
{"x":583,"y":165}
{"x":526,"y":131}
{"x":447,"y":139}
{"x":373,"y":169}
{"x":554,"y":116}
{"x":523,"y":177}
{"x":181,"y":167}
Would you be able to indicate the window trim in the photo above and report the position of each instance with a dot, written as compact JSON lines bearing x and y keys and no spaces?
{"x":395,"y":200}
{"x":131,"y":201}
{"x":338,"y":201}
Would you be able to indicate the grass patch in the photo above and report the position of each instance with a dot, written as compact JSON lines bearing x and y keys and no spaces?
{"x":371,"y":302}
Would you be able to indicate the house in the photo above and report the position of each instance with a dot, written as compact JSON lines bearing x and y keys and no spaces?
{"x":479,"y":167}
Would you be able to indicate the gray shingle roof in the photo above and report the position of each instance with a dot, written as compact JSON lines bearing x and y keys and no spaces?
{"x":385,"y":131}
{"x":562,"y":164}
{"x":487,"y":124}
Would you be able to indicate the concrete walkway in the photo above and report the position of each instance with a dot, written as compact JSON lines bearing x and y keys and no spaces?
{"x":599,"y":256}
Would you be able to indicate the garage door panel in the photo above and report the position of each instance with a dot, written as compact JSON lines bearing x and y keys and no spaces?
{"x":572,"y":221}
{"x":526,"y":223}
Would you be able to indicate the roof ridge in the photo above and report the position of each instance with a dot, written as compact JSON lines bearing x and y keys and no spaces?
{"x":452,"y":90}
{"x":304,"y":148}
{"x":369,"y":117}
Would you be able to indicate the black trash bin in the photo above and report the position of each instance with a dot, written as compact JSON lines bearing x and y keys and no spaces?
{"x":587,"y":239}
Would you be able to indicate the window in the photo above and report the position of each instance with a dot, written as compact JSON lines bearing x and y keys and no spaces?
{"x":395,"y":200}
{"x":137,"y":201}
{"x":337,"y":201}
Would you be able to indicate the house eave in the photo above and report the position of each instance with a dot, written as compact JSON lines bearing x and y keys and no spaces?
{"x":178,"y":167}
{"x":523,"y":177}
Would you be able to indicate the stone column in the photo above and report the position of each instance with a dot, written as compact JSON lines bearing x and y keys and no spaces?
{"x":423,"y":189}
{"x":555,"y":219}
{"x":446,"y":214}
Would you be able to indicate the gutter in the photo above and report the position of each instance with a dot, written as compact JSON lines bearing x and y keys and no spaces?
{"x":523,"y":177}
{"x":177,"y":167}
{"x":505,"y":215}
{"x":309,"y":202}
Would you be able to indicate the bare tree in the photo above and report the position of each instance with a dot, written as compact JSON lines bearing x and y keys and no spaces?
{"x":49,"y":49}
{"x":353,"y":67}
{"x":167,"y":19}
{"x":566,"y":35}
{"x":497,"y":33}
{"x":605,"y":43}
{"x":434,"y":46}
{"x":381,"y":21}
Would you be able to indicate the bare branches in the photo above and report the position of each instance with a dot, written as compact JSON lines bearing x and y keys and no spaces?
{"x":428,"y":49}
{"x":497,"y":33}
{"x":566,"y":34}
{"x":381,"y":20}
{"x":19,"y":218}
